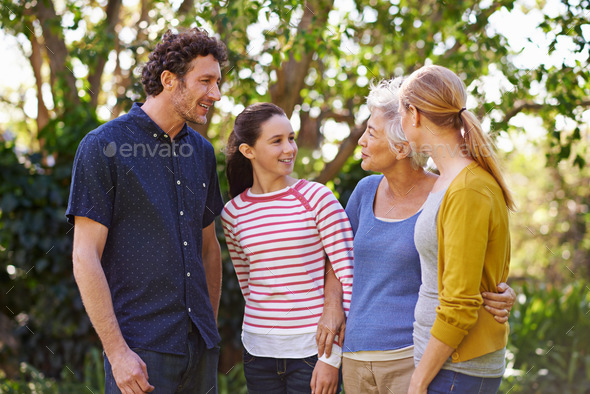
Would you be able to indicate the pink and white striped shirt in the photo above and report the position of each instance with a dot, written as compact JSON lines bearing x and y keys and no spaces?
{"x":277,"y":242}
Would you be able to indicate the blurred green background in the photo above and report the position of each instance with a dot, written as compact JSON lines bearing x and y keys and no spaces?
{"x":72,"y":65}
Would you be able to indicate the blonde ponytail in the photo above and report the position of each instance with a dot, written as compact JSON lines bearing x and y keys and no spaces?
{"x":440,"y":95}
{"x":482,"y":150}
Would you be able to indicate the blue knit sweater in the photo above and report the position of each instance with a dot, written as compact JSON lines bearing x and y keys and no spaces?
{"x":386,"y":276}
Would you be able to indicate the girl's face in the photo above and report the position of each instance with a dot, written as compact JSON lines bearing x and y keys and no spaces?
{"x":275,"y":150}
{"x":376,"y":152}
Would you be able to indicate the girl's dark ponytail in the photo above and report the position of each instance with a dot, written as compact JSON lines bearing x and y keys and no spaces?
{"x":246,"y":130}
{"x":239,"y":169}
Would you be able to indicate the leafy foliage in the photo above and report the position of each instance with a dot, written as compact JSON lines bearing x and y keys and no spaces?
{"x":41,"y":297}
{"x":550,"y":340}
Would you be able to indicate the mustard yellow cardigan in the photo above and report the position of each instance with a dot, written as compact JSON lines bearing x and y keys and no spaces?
{"x":473,"y":256}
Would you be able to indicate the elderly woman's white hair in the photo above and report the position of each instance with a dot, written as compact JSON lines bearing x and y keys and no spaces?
{"x":384,"y":96}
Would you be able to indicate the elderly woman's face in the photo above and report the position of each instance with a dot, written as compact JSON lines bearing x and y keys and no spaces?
{"x":376,"y":153}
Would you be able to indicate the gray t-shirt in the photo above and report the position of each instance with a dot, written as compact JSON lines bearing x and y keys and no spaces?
{"x":490,"y":365}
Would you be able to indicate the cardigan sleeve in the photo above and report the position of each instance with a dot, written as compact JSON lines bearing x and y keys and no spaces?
{"x":238,"y":258}
{"x":463,"y":230}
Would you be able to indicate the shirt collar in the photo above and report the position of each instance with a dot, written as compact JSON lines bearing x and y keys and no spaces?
{"x":147,"y":125}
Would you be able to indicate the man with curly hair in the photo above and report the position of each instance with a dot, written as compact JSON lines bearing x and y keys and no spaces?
{"x":143,"y":199}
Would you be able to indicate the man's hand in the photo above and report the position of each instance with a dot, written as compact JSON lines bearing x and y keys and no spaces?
{"x":499,"y":304}
{"x":324,"y":379}
{"x":130,"y":373}
{"x":332,"y":323}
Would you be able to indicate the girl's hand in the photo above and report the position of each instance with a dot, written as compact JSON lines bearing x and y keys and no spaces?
{"x":331,"y":324}
{"x":324,"y":379}
{"x":499,"y":304}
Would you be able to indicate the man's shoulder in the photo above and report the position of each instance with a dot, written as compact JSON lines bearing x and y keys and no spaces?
{"x":109,"y":130}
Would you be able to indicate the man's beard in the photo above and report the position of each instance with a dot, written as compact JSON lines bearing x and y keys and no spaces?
{"x":183,"y":110}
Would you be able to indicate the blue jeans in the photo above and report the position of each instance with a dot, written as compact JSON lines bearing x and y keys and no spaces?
{"x":278,"y":375}
{"x":455,"y":382}
{"x":193,"y":372}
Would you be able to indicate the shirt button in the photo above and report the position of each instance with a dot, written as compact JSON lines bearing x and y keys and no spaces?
{"x":455,"y":356}
{"x":189,"y":309}
{"x":204,"y":185}
{"x":181,"y":213}
{"x":174,"y":153}
{"x":165,"y":135}
{"x":178,"y":182}
{"x":185,"y":243}
{"x":188,"y":274}
{"x":155,"y":135}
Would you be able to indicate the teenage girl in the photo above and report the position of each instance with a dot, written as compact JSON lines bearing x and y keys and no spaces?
{"x":278,"y":231}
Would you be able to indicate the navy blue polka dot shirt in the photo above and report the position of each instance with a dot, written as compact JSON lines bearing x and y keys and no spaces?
{"x":155,"y":196}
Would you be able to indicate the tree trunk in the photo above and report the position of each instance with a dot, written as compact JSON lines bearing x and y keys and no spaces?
{"x":57,"y":53}
{"x":346,"y":149}
{"x":291,"y":75}
{"x":36,"y":61}
{"x":112,"y":18}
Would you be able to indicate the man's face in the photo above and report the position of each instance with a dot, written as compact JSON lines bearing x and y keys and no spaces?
{"x":194,"y":96}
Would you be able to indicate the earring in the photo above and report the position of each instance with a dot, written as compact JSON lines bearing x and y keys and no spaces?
{"x":414,"y":124}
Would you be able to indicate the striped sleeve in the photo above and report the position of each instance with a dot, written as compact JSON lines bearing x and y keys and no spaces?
{"x":237,"y":255}
{"x":336,"y":236}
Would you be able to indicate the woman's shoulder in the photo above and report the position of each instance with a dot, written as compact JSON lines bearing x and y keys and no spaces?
{"x":368,"y":185}
{"x":372,"y":179}
{"x":471,"y":185}
{"x":473,"y":177}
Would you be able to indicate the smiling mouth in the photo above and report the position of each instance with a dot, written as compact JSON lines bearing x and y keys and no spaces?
{"x":288,"y":161}
{"x":204,"y":105}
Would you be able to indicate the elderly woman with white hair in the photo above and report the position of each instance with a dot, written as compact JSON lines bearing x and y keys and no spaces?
{"x":378,"y":344}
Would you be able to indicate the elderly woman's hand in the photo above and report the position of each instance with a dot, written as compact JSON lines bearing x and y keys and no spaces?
{"x":331,"y":324}
{"x":499,"y":304}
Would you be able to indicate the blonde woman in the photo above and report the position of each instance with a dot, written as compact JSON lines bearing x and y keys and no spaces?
{"x":461,"y":236}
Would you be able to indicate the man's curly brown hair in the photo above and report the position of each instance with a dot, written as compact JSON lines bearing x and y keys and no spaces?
{"x":175,"y":53}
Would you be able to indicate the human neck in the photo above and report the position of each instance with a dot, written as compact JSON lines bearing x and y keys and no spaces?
{"x":402,"y":178}
{"x":159,"y":110}
{"x":263,"y":185}
{"x":450,"y":162}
